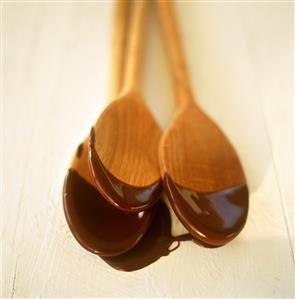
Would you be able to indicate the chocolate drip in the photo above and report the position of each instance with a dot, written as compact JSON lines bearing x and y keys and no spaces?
{"x":156,"y":243}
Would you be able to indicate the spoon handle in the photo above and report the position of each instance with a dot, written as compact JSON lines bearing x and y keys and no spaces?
{"x":135,"y":46}
{"x":175,"y":51}
{"x":119,"y":37}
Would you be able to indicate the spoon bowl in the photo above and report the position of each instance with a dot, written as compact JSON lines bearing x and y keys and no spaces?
{"x":98,"y":226}
{"x":124,"y":163}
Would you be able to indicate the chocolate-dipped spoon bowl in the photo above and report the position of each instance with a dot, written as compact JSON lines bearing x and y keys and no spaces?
{"x":202,"y":174}
{"x":124,"y":141}
{"x":98,"y":226}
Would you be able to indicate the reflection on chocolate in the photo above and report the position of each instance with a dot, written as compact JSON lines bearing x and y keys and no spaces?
{"x":98,"y":226}
{"x":213,"y":218}
{"x":119,"y":194}
{"x":156,"y":242}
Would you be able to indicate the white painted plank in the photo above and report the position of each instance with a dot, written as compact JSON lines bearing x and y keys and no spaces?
{"x":274,"y":70}
{"x":55,"y":79}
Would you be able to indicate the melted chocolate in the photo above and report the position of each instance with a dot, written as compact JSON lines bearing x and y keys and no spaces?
{"x":98,"y":226}
{"x":212,"y":218}
{"x":157,"y":242}
{"x":119,"y":194}
{"x":79,"y":150}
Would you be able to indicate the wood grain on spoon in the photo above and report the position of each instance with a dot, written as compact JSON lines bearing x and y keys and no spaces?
{"x":98,"y":226}
{"x":196,"y":159}
{"x":124,"y":147}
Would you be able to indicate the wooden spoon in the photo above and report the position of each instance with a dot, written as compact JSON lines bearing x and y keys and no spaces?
{"x":98,"y":226}
{"x":124,"y":141}
{"x":202,"y":174}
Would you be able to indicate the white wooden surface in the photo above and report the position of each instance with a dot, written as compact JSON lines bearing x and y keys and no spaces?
{"x":55,"y":67}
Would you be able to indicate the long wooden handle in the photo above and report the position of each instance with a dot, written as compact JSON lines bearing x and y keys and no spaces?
{"x":174,"y":47}
{"x":135,"y":45}
{"x":119,"y":39}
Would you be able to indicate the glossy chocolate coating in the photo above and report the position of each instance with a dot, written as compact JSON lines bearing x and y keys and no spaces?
{"x":155,"y":244}
{"x":121,"y":195}
{"x":98,"y":226}
{"x":212,"y":218}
